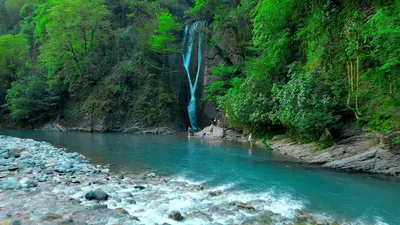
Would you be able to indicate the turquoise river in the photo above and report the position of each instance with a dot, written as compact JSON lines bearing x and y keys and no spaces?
{"x":355,"y":198}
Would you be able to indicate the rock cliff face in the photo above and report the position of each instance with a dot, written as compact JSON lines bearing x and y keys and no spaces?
{"x":114,"y":124}
{"x":225,"y":50}
{"x":356,"y":151}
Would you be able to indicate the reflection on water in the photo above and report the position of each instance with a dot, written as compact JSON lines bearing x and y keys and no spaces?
{"x":239,"y":167}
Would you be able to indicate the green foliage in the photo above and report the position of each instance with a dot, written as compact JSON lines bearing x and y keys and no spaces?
{"x":75,"y":30}
{"x":215,"y":89}
{"x":3,"y":18}
{"x":198,"y":5}
{"x":163,"y":40}
{"x":266,"y":145}
{"x":100,"y":58}
{"x":219,"y":87}
{"x":346,"y":59}
{"x":297,"y":64}
{"x":31,"y":100}
{"x":381,"y":99}
{"x":12,"y":9}
{"x":305,"y":105}
{"x":223,"y":70}
{"x":13,"y":55}
{"x":203,"y":8}
{"x":246,"y":103}
{"x":396,"y":141}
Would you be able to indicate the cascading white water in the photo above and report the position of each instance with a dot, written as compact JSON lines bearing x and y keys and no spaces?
{"x":191,"y":32}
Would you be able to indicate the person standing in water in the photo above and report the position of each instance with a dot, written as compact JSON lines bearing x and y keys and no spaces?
{"x":190,"y":132}
{"x":211,"y":130}
{"x":250,"y":139}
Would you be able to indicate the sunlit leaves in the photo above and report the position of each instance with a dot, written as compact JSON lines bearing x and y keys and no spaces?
{"x":73,"y":31}
{"x":163,"y":39}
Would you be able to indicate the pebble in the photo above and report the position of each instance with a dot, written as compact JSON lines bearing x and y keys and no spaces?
{"x":50,"y":217}
{"x":130,"y":201}
{"x":151,"y":175}
{"x":139,"y":187}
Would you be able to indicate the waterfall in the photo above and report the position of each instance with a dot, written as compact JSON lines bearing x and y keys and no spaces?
{"x":191,"y":32}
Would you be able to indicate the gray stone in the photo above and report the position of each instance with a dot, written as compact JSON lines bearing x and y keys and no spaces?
{"x":5,"y":162}
{"x":31,"y":184}
{"x":242,"y":205}
{"x":287,"y":146}
{"x":139,"y":187}
{"x":50,"y":217}
{"x":215,"y":193}
{"x":41,"y":178}
{"x":10,"y":183}
{"x":16,"y":153}
{"x":175,"y":215}
{"x":75,"y":181}
{"x":98,"y":195}
{"x":151,"y":175}
{"x":63,"y":167}
{"x":301,"y":217}
{"x":49,"y":171}
{"x":99,"y":206}
{"x":361,"y":162}
{"x":66,"y":221}
{"x":120,"y":211}
{"x":130,"y":201}
{"x":356,"y":151}
{"x":16,"y":222}
{"x":13,"y":168}
{"x":75,"y":155}
{"x":28,"y":171}
{"x":4,"y":174}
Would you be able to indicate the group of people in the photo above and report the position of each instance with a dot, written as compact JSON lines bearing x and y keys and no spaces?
{"x":203,"y":133}
{"x":214,"y":123}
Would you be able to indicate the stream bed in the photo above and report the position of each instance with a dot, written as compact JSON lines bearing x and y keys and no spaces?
{"x":242,"y":173}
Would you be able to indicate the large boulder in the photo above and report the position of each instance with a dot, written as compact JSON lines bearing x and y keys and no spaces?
{"x":361,"y":162}
{"x":97,"y":194}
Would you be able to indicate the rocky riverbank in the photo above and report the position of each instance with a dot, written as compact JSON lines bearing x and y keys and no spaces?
{"x":133,"y":128}
{"x":41,"y":184}
{"x":355,"y":150}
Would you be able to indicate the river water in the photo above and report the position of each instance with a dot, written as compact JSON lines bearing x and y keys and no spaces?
{"x":235,"y":167}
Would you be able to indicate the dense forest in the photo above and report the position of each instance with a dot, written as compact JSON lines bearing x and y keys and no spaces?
{"x":305,"y":66}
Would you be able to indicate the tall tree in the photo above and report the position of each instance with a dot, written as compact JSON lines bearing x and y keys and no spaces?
{"x":75,"y":31}
{"x":13,"y":55}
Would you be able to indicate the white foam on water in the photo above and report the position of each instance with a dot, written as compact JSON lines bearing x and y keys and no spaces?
{"x":156,"y":201}
{"x":183,"y":178}
{"x":363,"y":221}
